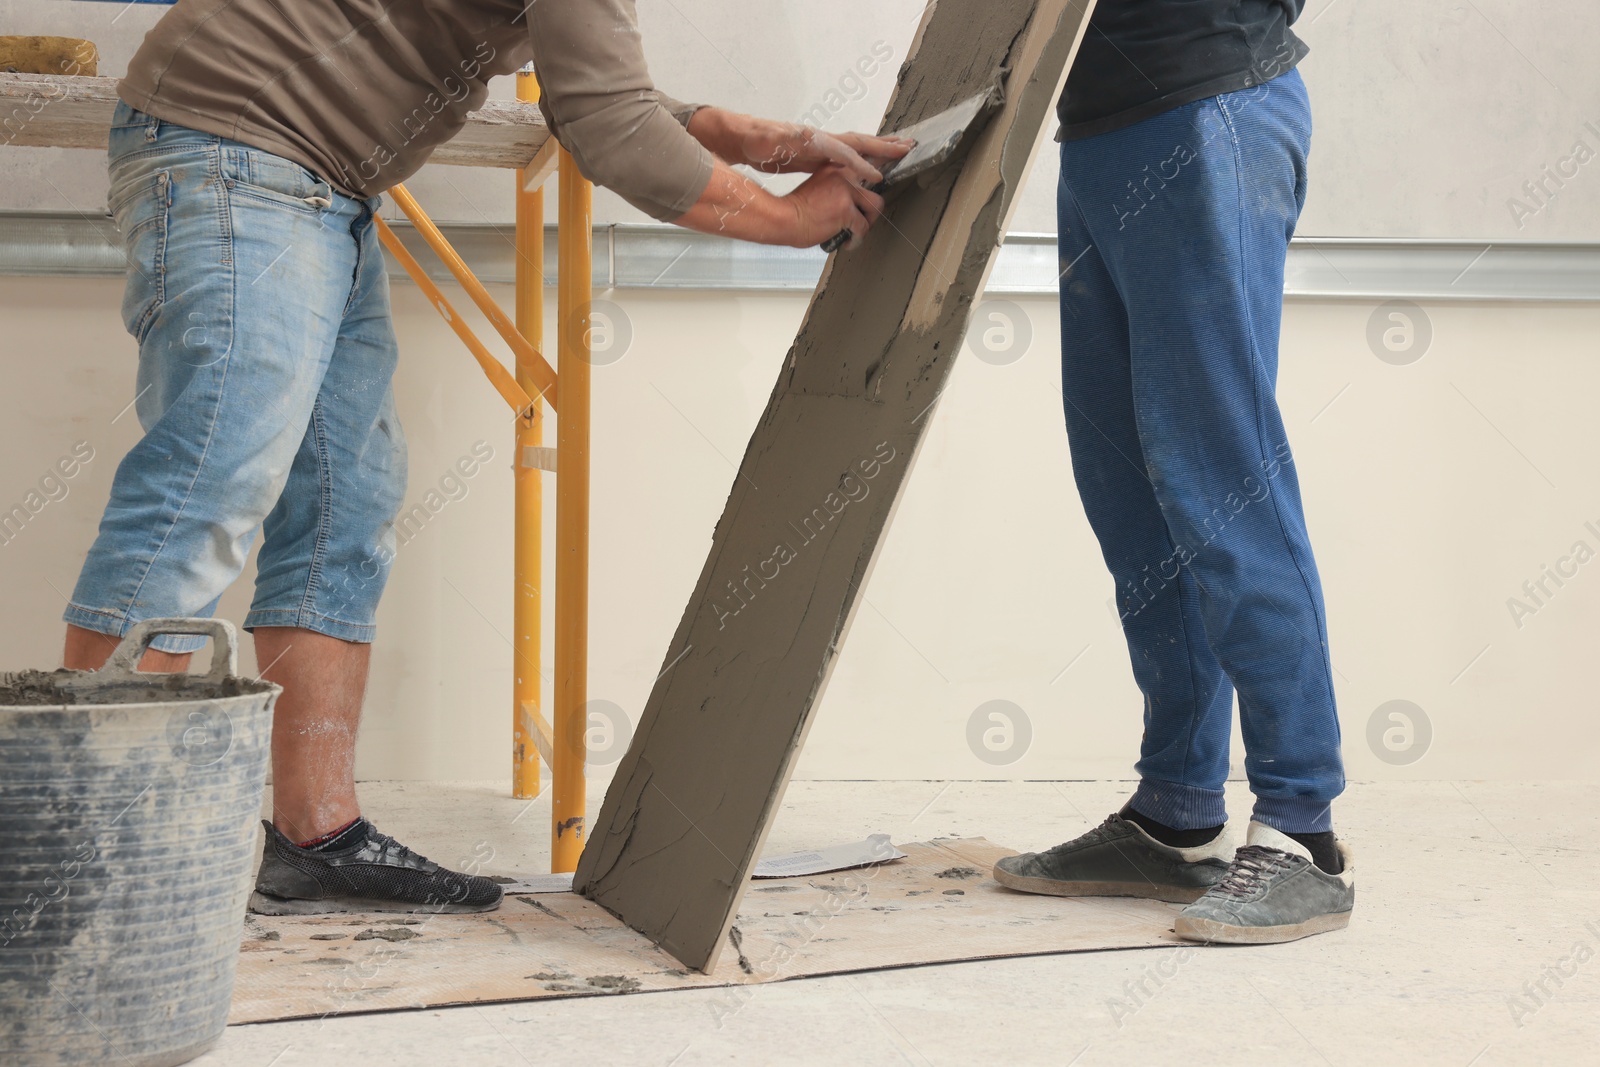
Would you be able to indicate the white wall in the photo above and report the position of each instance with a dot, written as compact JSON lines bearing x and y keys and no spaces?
{"x":1430,"y":115}
{"x":1435,"y":490}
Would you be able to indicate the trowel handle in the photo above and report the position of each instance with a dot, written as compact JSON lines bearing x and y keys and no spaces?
{"x":842,"y":238}
{"x":224,"y":657}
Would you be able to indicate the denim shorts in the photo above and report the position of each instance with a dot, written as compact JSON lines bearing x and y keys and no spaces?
{"x":258,"y":295}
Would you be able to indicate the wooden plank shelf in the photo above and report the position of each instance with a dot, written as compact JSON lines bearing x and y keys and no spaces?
{"x":52,"y":110}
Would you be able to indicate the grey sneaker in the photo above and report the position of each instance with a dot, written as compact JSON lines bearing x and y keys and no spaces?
{"x":1273,"y":892}
{"x":1118,"y":859}
{"x":380,"y":874}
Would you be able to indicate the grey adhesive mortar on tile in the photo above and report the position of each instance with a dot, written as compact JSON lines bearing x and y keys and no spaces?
{"x":691,"y":802}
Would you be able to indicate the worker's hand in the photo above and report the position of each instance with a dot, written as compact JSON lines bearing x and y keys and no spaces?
{"x":786,"y":147}
{"x":830,"y":201}
{"x":789,"y":147}
{"x":735,"y":205}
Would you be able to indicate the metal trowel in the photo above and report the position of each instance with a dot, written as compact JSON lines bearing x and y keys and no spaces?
{"x":937,"y":139}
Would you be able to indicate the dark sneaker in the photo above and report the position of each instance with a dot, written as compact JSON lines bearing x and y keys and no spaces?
{"x":1273,"y":892}
{"x":380,"y":874}
{"x":1118,"y":859}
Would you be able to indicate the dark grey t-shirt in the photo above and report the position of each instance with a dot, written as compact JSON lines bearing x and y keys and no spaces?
{"x":1142,"y":57}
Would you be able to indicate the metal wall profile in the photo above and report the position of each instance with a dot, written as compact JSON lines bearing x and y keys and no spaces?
{"x":666,"y":257}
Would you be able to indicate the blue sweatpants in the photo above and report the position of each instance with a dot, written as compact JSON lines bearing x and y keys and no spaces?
{"x":1173,"y":235}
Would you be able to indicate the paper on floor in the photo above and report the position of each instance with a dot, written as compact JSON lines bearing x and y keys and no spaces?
{"x":875,"y":849}
{"x":937,"y":905}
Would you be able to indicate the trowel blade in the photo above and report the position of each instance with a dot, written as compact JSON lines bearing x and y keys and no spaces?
{"x":938,"y":137}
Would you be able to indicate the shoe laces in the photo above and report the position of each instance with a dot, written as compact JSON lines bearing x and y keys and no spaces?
{"x":388,"y":846}
{"x":1252,"y":865}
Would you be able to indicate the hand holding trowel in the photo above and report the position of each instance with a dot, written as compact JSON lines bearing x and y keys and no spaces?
{"x":936,"y":141}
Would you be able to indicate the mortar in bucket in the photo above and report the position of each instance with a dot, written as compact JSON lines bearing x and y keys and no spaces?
{"x":128,"y":821}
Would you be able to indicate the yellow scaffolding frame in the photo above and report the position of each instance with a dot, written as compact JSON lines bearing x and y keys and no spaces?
{"x":534,"y":384}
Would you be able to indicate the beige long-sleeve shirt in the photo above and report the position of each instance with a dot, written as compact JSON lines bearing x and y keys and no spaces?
{"x":361,"y":92}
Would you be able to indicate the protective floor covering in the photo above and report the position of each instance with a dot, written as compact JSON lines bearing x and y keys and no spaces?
{"x":938,"y":905}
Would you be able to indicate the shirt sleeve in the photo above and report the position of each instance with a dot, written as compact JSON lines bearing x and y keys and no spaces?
{"x":678,"y":109}
{"x":597,"y":97}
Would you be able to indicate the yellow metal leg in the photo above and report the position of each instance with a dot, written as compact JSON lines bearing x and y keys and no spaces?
{"x":528,"y":579}
{"x":572,"y":518}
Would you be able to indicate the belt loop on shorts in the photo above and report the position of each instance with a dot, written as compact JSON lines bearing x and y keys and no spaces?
{"x":151,"y":127}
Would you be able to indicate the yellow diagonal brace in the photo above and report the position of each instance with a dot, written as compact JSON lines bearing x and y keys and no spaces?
{"x":543,"y":376}
{"x":499,"y":377}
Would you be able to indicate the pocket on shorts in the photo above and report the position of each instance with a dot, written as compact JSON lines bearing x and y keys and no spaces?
{"x":141,"y":211}
{"x":263,"y":177}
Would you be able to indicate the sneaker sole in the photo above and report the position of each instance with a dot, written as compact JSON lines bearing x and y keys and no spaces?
{"x":1172,"y":894}
{"x":1219,"y":933}
{"x":263,"y":904}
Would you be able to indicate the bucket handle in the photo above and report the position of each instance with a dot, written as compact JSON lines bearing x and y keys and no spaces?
{"x":124,"y":662}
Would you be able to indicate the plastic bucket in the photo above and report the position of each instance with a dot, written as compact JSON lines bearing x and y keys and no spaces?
{"x":128,"y":826}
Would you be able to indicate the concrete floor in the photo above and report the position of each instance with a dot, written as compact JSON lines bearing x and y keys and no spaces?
{"x":1474,"y":942}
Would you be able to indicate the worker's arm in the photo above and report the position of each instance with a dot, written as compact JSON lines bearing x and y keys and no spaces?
{"x":600,"y":103}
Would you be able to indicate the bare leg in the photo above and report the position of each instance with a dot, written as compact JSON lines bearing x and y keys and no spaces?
{"x":88,"y":651}
{"x":314,"y":727}
{"x":314,"y":724}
